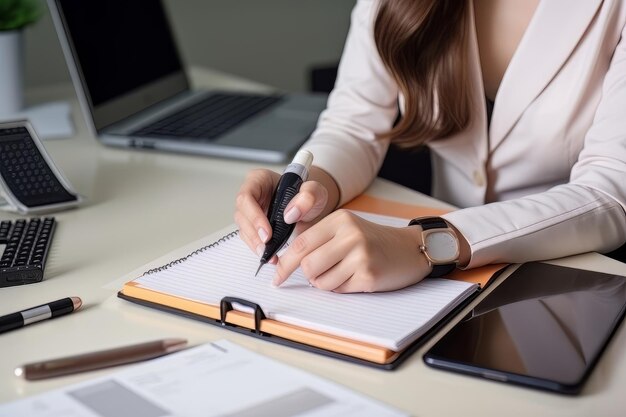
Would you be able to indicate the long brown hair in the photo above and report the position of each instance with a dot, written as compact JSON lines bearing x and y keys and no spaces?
{"x":423,"y":44}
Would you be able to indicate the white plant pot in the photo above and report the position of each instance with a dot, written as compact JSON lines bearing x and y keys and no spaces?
{"x":11,"y":72}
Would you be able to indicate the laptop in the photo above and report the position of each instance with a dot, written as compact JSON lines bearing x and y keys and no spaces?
{"x":134,"y":92}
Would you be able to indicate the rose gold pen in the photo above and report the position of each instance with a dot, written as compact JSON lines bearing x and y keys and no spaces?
{"x":100,"y":359}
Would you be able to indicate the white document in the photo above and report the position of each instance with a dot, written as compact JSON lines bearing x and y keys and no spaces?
{"x":392,"y":319}
{"x":215,"y":379}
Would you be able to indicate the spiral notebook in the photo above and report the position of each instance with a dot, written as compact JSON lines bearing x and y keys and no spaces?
{"x":216,"y":283}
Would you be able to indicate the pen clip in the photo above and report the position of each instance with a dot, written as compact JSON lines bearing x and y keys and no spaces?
{"x":227,"y":304}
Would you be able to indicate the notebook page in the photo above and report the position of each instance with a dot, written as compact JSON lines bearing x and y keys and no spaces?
{"x":392,"y":320}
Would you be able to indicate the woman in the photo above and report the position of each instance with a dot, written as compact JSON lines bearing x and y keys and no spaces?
{"x":544,"y":176}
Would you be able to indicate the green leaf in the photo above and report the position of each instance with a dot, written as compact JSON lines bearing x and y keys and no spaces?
{"x":16,"y":14}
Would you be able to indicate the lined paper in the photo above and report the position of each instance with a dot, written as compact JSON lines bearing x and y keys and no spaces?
{"x":392,"y":320}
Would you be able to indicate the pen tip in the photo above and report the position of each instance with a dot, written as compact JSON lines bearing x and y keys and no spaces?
{"x":173,"y":345}
{"x":77,"y":302}
{"x":257,"y":271}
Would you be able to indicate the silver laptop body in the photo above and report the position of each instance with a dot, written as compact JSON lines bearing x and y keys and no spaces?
{"x":127,"y":73}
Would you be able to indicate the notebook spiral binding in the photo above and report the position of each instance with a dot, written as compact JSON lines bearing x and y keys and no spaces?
{"x":195,"y":252}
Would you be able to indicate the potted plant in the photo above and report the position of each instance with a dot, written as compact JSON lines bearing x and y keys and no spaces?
{"x":14,"y":16}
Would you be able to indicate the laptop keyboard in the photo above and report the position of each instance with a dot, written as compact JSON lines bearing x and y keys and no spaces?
{"x":209,"y":118}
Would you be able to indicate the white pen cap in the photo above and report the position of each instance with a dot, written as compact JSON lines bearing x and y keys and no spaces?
{"x":300,"y":164}
{"x":303,"y":157}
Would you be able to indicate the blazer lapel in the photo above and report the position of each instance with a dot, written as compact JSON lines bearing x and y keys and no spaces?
{"x":551,"y":36}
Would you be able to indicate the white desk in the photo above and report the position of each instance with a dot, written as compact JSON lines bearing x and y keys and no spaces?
{"x":143,"y":204}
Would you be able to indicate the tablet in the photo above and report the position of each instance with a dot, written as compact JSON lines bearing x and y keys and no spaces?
{"x":544,"y":326}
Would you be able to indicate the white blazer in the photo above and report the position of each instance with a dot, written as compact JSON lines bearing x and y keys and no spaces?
{"x":548,"y":177}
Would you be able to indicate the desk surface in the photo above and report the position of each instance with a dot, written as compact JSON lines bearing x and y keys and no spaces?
{"x":142,"y":205}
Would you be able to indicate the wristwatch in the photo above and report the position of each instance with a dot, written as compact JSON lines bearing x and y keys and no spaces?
{"x":440,"y":245}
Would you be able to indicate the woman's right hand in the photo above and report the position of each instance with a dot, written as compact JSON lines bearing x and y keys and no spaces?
{"x":254,"y":199}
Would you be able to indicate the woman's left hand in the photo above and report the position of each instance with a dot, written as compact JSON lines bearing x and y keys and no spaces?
{"x":345,"y":253}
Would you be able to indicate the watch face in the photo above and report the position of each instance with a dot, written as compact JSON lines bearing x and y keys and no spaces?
{"x":442,"y":246}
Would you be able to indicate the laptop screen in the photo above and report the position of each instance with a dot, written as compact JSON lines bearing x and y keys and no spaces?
{"x":121,"y":48}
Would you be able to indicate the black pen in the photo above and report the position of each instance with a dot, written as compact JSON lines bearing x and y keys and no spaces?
{"x":43,"y":312}
{"x":288,"y":186}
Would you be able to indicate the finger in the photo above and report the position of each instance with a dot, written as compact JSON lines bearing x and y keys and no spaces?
{"x":300,"y":247}
{"x":251,"y":210}
{"x":358,"y":279}
{"x":301,"y":227}
{"x":345,"y":270}
{"x":351,"y":285}
{"x":248,"y":234}
{"x":254,"y":197}
{"x":362,"y":281}
{"x":334,"y":277}
{"x":308,"y":204}
{"x":319,"y":262}
{"x":260,"y":183}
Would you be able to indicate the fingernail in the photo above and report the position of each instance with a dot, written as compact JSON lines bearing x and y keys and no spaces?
{"x":259,"y":250}
{"x":292,"y":215}
{"x":262,"y":234}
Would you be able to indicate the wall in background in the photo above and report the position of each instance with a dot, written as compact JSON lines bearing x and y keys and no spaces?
{"x":272,"y":41}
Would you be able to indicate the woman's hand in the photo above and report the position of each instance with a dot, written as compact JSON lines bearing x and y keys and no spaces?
{"x":345,"y":253}
{"x":251,"y":205}
{"x":253,"y":200}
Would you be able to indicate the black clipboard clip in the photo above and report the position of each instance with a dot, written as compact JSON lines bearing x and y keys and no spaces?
{"x":226,"y":305}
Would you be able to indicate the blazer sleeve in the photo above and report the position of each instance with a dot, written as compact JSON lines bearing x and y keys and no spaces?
{"x":362,"y":105}
{"x":586,"y":214}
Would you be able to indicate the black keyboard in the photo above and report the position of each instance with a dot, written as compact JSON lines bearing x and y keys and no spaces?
{"x":210,"y":117}
{"x":26,"y":172}
{"x":27,"y":245}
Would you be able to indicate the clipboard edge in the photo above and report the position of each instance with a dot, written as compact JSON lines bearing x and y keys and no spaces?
{"x":394,"y":362}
